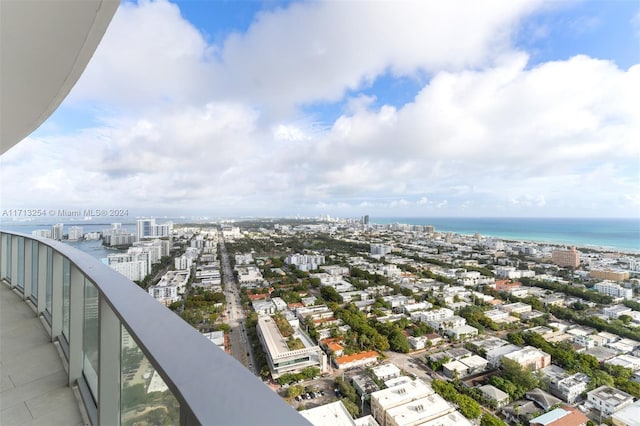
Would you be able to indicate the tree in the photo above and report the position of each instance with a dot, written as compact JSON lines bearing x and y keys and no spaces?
{"x":515,"y":338}
{"x":490,"y":420}
{"x":421,"y":328}
{"x":524,"y":379}
{"x":626,"y":319}
{"x":295,"y":390}
{"x":351,"y":407}
{"x":398,"y":342}
{"x":330,"y":294}
{"x":310,"y":372}
{"x":347,"y":390}
{"x":468,"y":407}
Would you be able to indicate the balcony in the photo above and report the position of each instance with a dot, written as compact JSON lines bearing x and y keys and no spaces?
{"x":126,"y":357}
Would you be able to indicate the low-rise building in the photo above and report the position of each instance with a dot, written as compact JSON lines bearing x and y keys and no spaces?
{"x":280,"y":358}
{"x":447,"y":323}
{"x":496,"y":315}
{"x":495,"y":354}
{"x":248,"y":274}
{"x":216,"y":337}
{"x":462,"y":332}
{"x":492,"y":393}
{"x":334,"y":413}
{"x":627,"y":361}
{"x":627,"y":416}
{"x":385,"y":371}
{"x":516,"y":308}
{"x":386,"y":399}
{"x":465,"y":366}
{"x":364,"y":385}
{"x":609,"y":274}
{"x":263,"y":307}
{"x":562,"y":416}
{"x":530,"y":358}
{"x":487,"y":344}
{"x":450,"y":419}
{"x":608,"y":400}
{"x":360,"y":359}
{"x":418,"y":411}
{"x":454,"y":369}
{"x":616,"y":310}
{"x":432,"y":315}
{"x":614,"y":290}
{"x":566,"y":386}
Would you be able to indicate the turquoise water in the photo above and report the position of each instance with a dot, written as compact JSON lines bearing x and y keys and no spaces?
{"x":621,"y":234}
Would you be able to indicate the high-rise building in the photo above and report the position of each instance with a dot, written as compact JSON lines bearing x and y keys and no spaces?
{"x":144,"y":228}
{"x":566,"y":258}
{"x":44,"y":233}
{"x":75,"y":233}
{"x":56,"y":231}
{"x":147,"y":228}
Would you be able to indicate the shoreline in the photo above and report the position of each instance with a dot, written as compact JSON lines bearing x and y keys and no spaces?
{"x":605,"y":249}
{"x":601,"y":235}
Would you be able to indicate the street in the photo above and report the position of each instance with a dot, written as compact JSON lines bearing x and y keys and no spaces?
{"x":240,"y":348}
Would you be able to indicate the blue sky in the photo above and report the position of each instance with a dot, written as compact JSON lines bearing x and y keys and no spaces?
{"x":348,"y":108}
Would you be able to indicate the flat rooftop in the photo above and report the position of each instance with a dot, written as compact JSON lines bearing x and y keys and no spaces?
{"x":331,"y":414}
{"x":402,"y":393}
{"x":420,"y":410}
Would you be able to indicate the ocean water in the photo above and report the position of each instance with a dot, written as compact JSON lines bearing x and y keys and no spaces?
{"x":615,"y":234}
{"x":92,"y":247}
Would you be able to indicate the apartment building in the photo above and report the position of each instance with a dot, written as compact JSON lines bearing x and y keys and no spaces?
{"x":607,"y":400}
{"x":416,"y":412}
{"x":305,"y":262}
{"x":135,"y":270}
{"x":387,"y":399}
{"x":516,"y":308}
{"x":614,"y":290}
{"x":530,"y":358}
{"x":569,"y":258}
{"x":609,"y":274}
{"x":567,"y":387}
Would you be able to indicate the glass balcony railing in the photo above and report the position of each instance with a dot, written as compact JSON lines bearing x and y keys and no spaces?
{"x":134,"y":361}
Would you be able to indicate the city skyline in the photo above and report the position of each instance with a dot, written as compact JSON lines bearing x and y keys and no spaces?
{"x":390,"y":109}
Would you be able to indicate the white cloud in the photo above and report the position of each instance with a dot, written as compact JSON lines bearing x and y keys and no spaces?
{"x":291,"y":56}
{"x":188,"y":124}
{"x":150,"y":54}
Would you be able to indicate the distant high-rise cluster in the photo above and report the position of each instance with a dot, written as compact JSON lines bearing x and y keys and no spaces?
{"x":117,"y":236}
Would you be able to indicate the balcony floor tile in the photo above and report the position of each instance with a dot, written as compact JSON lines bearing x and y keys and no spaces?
{"x":33,"y":382}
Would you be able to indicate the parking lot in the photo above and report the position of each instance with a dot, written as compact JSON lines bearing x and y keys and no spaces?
{"x":317,"y":392}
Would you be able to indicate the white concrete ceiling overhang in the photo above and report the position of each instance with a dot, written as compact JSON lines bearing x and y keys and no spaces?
{"x":45,"y":46}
